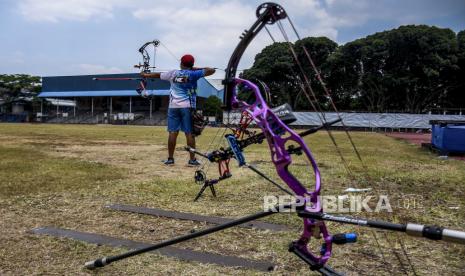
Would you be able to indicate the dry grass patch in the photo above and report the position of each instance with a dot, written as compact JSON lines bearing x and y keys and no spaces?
{"x":64,"y":175}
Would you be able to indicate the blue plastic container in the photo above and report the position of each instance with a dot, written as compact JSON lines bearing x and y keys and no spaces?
{"x":448,"y":136}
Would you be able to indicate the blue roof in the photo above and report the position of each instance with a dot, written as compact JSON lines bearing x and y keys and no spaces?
{"x":109,"y":93}
{"x":85,"y":86}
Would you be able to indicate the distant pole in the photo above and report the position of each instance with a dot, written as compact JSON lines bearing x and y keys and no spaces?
{"x":74,"y":107}
{"x":92,"y":108}
{"x":111,"y":106}
{"x":130,"y":104}
{"x":58,"y":105}
{"x":42,"y":107}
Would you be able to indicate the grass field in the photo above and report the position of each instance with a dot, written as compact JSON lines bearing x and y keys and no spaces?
{"x":64,"y":175}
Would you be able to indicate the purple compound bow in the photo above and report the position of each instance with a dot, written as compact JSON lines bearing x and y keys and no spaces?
{"x":279,"y":137}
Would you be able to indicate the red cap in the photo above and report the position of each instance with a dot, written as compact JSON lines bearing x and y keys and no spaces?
{"x":187,"y":60}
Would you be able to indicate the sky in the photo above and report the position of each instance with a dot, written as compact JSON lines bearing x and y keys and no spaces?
{"x":78,"y":37}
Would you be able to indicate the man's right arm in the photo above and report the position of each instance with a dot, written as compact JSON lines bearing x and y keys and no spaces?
{"x":209,"y":71}
{"x":206,"y":70}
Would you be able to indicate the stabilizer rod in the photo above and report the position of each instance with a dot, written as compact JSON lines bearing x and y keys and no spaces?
{"x":411,"y":229}
{"x":268,"y":179}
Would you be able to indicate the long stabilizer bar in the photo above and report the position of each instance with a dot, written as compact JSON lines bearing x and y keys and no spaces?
{"x":411,"y":229}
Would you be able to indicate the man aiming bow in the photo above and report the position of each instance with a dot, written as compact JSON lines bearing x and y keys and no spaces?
{"x":183,"y":98}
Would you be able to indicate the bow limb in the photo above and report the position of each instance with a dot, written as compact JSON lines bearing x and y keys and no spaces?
{"x":267,"y":13}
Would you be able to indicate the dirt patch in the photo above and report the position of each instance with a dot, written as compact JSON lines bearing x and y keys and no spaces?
{"x":414,"y":138}
{"x":142,"y":160}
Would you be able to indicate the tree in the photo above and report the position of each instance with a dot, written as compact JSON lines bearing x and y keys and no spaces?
{"x":421,"y":61}
{"x":13,"y":86}
{"x":456,"y":97}
{"x":344,"y":69}
{"x":274,"y":66}
{"x":406,"y":69}
{"x":410,"y":69}
{"x":19,"y":87}
{"x":317,"y":49}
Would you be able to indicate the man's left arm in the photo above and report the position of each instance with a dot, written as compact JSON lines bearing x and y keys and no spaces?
{"x":151,"y":75}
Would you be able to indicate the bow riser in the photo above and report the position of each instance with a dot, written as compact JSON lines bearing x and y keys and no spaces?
{"x":278,"y":136}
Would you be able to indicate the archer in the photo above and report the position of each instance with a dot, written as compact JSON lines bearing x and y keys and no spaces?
{"x":182,"y":106}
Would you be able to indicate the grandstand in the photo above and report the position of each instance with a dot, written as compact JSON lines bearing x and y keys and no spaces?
{"x":81,"y":99}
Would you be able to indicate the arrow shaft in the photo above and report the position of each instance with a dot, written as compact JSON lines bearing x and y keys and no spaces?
{"x":106,"y":79}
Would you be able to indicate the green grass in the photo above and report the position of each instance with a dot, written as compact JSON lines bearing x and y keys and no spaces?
{"x":64,"y":175}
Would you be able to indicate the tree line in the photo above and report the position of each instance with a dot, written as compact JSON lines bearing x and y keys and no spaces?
{"x":17,"y":85}
{"x":414,"y":69}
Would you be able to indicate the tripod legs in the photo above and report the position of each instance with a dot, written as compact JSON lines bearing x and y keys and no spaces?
{"x":205,"y":185}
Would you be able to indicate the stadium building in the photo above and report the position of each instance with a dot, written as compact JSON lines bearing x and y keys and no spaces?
{"x":81,"y":99}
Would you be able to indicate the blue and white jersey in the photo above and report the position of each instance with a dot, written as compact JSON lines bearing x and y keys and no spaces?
{"x":183,"y":87}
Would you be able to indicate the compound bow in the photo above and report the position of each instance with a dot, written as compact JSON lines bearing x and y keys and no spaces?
{"x":144,"y":66}
{"x":283,"y":144}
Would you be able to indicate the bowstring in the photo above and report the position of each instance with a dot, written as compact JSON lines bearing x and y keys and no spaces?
{"x":314,"y":103}
{"x":317,"y":107}
{"x":169,"y":51}
{"x":207,"y":164}
{"x":349,"y":136}
{"x":395,"y":254}
{"x":406,"y":256}
{"x":153,"y":66}
{"x":154,"y":55}
{"x":354,"y":147}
